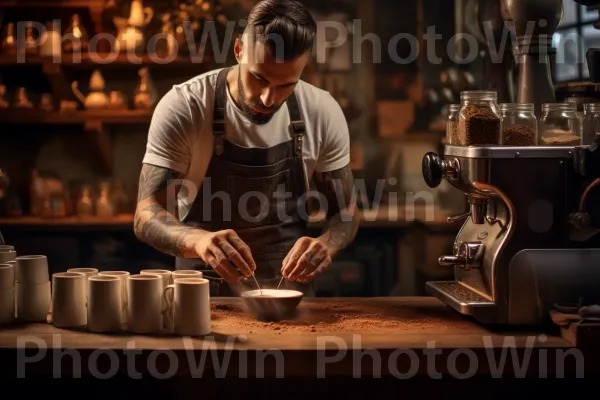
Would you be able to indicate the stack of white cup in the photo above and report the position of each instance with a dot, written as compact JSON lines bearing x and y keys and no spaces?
{"x":33,"y":288}
{"x":7,"y":284}
{"x":7,"y":294}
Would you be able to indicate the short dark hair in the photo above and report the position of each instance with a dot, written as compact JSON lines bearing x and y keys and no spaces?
{"x":286,"y":23}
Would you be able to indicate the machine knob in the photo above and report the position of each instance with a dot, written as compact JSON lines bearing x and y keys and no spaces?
{"x":433,"y":169}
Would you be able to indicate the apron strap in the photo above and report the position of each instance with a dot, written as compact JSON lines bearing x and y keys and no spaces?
{"x":218,"y":122}
{"x":297,"y":127}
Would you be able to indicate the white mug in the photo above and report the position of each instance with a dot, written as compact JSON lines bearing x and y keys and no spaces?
{"x":163,"y":273}
{"x":7,"y":255}
{"x":188,"y":307}
{"x":104,"y":303}
{"x":7,"y":276}
{"x":32,"y":269}
{"x":7,"y":306}
{"x":122,"y":275}
{"x":69,"y":299}
{"x":33,"y":301}
{"x":186,"y":273}
{"x":145,"y":311}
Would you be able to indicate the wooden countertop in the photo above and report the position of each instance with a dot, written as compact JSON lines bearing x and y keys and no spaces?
{"x":359,"y":323}
{"x":329,"y":337}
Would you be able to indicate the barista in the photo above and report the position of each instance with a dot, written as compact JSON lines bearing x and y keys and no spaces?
{"x":229,"y":157}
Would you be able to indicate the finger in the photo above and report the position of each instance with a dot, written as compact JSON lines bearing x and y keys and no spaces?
{"x":307,"y":263}
{"x":236,"y":258}
{"x":243,"y":249}
{"x":295,"y":255}
{"x":305,"y":259}
{"x":313,"y":264}
{"x":322,"y":267}
{"x":287,"y":257}
{"x":223,"y":266}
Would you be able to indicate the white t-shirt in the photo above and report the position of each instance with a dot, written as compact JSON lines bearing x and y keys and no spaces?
{"x":181,"y":138}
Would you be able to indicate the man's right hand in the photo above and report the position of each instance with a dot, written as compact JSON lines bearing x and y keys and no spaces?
{"x":226,"y":253}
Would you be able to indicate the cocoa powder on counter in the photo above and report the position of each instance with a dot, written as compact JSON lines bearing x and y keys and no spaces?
{"x":340,"y":317}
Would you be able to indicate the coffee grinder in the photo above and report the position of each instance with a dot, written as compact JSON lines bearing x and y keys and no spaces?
{"x":531,"y":238}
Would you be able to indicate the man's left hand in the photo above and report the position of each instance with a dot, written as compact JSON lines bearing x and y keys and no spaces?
{"x":308,"y":259}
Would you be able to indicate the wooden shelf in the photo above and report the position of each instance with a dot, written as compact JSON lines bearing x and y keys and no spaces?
{"x":50,"y":3}
{"x":106,"y":60}
{"x":75,"y":117}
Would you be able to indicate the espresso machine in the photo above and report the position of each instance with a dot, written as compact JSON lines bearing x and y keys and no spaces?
{"x":531,"y":237}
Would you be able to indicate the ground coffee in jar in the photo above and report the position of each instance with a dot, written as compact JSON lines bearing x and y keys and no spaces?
{"x":519,"y":124}
{"x":480,"y":122}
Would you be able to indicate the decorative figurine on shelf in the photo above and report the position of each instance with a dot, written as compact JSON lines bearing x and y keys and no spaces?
{"x":130,"y":36}
{"x":29,"y":45}
{"x":50,"y":41}
{"x":9,"y":43}
{"x":97,"y":97}
{"x":3,"y":102}
{"x":145,"y":95}
{"x":46,"y":102}
{"x":167,"y":46}
{"x":21,"y":99}
{"x":117,"y":100}
{"x":76,"y":37}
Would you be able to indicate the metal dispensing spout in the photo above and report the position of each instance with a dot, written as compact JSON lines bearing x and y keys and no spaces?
{"x":478,"y":205}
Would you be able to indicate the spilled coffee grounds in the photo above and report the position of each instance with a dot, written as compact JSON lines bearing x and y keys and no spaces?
{"x":340,"y":316}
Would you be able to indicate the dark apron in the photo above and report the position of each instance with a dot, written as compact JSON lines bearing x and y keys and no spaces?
{"x":251,"y":177}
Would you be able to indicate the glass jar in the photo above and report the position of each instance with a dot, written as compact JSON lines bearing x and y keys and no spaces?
{"x":519,"y":124}
{"x":560,"y":125}
{"x":479,"y":120}
{"x":591,"y":123}
{"x":452,"y":124}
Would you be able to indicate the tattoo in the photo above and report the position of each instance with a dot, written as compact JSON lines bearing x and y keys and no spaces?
{"x":342,"y":222}
{"x":153,"y":223}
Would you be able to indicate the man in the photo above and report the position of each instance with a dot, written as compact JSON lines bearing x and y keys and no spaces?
{"x":238,"y":145}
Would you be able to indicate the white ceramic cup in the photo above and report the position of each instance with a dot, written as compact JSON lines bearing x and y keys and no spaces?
{"x":163,"y":273}
{"x":104,"y":303}
{"x":33,"y":301}
{"x":32,"y":269}
{"x":86,"y":271}
{"x":69,"y":299}
{"x":7,"y":306}
{"x":186,"y":273}
{"x":122,"y":275}
{"x":7,"y":255}
{"x":7,"y":276}
{"x":188,"y":307}
{"x":145,"y":311}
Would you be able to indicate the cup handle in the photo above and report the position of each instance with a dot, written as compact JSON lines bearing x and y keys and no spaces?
{"x":167,"y":310}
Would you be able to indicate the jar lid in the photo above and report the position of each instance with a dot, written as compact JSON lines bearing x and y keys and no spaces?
{"x":591,"y":107}
{"x":566,"y":106}
{"x":517,"y":106}
{"x":454,"y":107}
{"x":486,"y":95}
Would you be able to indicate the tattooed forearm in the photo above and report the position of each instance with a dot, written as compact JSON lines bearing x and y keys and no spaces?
{"x":153,"y":223}
{"x":342,"y":222}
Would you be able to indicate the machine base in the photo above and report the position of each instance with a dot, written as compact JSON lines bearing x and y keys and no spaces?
{"x":464,"y":300}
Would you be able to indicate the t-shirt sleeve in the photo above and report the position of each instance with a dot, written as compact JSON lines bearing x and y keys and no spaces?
{"x":168,"y":144}
{"x":335,"y":150}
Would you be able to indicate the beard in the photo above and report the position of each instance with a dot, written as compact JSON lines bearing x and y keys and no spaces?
{"x":253,"y":116}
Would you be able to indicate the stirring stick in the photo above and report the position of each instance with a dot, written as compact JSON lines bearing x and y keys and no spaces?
{"x":257,"y":284}
{"x":281,"y":280}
